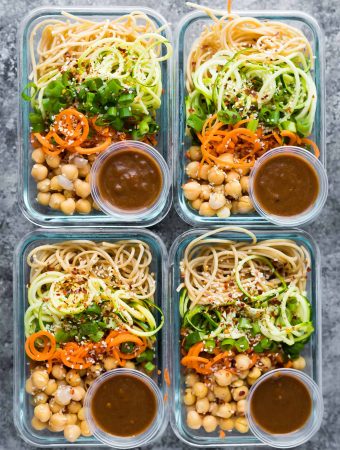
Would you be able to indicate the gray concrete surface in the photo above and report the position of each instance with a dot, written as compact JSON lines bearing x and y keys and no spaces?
{"x":325,"y":230}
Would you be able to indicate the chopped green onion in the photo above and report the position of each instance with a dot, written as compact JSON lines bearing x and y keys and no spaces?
{"x":289,"y":126}
{"x":126,"y":99}
{"x":38,"y":127}
{"x":244,"y":323}
{"x":54,"y":89}
{"x":303,"y":126}
{"x":193,"y":338}
{"x":93,"y":309}
{"x":127,"y":347}
{"x":112,"y":111}
{"x":93,"y":84}
{"x":229,"y":116}
{"x":252,"y":125}
{"x":147,"y":355}
{"x":256,"y":328}
{"x":228,"y":344}
{"x":149,"y":366}
{"x":242,"y":344}
{"x":209,"y":345}
{"x":195,"y":122}
{"x":28,"y":86}
{"x":265,"y":343}
{"x":125,"y":112}
{"x":61,"y":336}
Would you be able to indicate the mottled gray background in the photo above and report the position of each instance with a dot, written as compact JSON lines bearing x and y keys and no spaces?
{"x":325,"y":229}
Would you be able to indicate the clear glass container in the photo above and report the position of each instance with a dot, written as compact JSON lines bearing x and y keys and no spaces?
{"x":311,"y":353}
{"x":27,"y":190}
{"x":187,"y":32}
{"x":122,"y":441}
{"x":22,"y":407}
{"x":131,"y":216}
{"x":314,"y":210}
{"x":301,"y":435}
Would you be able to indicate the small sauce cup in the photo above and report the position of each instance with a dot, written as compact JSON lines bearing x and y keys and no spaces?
{"x":310,"y":213}
{"x":304,"y":433}
{"x":131,"y":215}
{"x":134,"y":441}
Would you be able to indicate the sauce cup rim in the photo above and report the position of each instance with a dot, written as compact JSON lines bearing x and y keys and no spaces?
{"x":315,"y":209}
{"x":297,"y":437}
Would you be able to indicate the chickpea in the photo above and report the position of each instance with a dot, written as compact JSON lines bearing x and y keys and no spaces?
{"x":191,"y":379}
{"x":216,"y":176}
{"x":70,"y":171}
{"x":196,"y":204}
{"x":244,"y":171}
{"x":213,"y":408}
{"x":88,"y":178}
{"x":83,"y":171}
{"x":223,"y":213}
{"x":244,"y":205}
{"x":218,"y":189}
{"x":195,"y":153}
{"x":222,"y":393}
{"x":234,"y":207}
{"x":56,"y":200}
{"x":54,"y":406}
{"x":194,"y":420}
{"x":243,"y":374}
{"x":61,"y":383}
{"x":83,"y":189}
{"x":192,"y":190}
{"x":42,"y":412}
{"x":233,"y":189}
{"x":38,"y":156}
{"x":81,"y":414}
{"x":206,"y":210}
{"x":232,"y":175}
{"x":225,"y":411}
{"x":72,"y":432}
{"x":226,"y":424}
{"x":40,"y":398}
{"x":40,"y":379}
{"x":88,"y":381}
{"x":209,"y":423}
{"x":110,"y":363}
{"x":57,"y":171}
{"x":223,"y":377}
{"x":241,"y":407}
{"x":242,"y":362}
{"x":53,"y":161}
{"x":83,"y":206}
{"x":299,"y":363}
{"x":69,"y":194}
{"x":233,"y":406}
{"x":250,"y":381}
{"x":78,"y":393}
{"x":189,"y":398}
{"x":237,"y":383}
{"x":39,"y":172}
{"x":44,"y":185}
{"x":244,"y":181}
{"x":58,"y":371}
{"x":73,"y":378}
{"x":241,"y":425}
{"x":54,"y":184}
{"x":74,"y":407}
{"x":240,"y":393}
{"x":254,"y":373}
{"x":43,"y":198}
{"x":228,"y":160}
{"x":205,"y":191}
{"x":211,"y":396}
{"x":58,"y":421}
{"x":71,"y":419}
{"x":192,"y":169}
{"x":202,"y":405}
{"x":63,"y":395}
{"x":217,"y":201}
{"x":265,"y":363}
{"x":96,"y":206}
{"x":68,"y":206}
{"x":84,"y":428}
{"x":203,"y":172}
{"x":130,"y":365}
{"x":30,"y":389}
{"x":37,"y":424}
{"x":200,"y":390}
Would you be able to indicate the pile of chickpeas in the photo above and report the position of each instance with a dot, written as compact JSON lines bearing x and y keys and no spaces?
{"x":216,"y":191}
{"x":219,"y":400}
{"x":64,"y":183}
{"x":58,"y":397}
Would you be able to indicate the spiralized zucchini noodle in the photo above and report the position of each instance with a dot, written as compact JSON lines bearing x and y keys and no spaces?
{"x":245,"y":289}
{"x":75,"y":282}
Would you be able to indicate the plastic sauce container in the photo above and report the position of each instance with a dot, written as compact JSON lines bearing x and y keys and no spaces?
{"x":135,"y":440}
{"x":303,"y":158}
{"x":309,"y":427}
{"x":131,"y":180}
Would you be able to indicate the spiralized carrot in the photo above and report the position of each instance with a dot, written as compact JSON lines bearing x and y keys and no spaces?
{"x":243,"y":144}
{"x":48,"y":349}
{"x":91,"y":150}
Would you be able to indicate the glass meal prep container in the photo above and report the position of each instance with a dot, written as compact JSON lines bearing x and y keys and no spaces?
{"x":311,"y":352}
{"x":22,"y":407}
{"x":187,"y":32}
{"x":27,"y":190}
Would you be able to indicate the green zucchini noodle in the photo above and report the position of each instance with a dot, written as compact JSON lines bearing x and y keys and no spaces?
{"x":128,"y":49}
{"x":256,"y":279}
{"x":69,"y":278}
